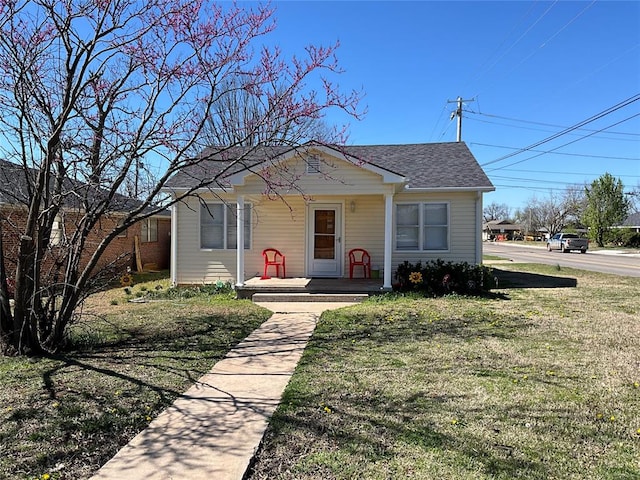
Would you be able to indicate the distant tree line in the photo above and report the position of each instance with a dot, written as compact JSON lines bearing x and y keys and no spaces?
{"x":596,"y":207}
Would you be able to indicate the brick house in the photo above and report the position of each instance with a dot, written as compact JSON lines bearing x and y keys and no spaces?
{"x":146,"y":244}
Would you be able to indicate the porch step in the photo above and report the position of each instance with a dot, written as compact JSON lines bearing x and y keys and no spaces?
{"x":309,"y":297}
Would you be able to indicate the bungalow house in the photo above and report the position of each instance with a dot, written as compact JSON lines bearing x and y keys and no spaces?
{"x":316,"y":203}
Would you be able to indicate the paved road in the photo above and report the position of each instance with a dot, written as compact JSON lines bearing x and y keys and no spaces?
{"x":620,"y":264}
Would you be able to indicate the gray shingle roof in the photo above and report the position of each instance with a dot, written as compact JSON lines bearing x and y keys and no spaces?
{"x":424,"y":165}
{"x":18,"y":182}
{"x":632,"y":220}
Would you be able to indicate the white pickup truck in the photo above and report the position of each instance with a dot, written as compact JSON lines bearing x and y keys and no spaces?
{"x":565,"y":242}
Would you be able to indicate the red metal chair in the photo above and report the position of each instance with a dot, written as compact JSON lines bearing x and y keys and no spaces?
{"x":359,"y":257}
{"x":273,"y":257}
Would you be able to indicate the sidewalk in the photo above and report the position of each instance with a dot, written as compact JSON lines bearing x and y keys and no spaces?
{"x":213,"y":430}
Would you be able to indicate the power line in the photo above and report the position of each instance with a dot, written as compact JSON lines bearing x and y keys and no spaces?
{"x":564,"y":173}
{"x":533,"y":180}
{"x":598,"y":116}
{"x":602,"y":137}
{"x":585,"y":155}
{"x":568,"y":143}
{"x":479,"y":73}
{"x":538,"y":20}
{"x":632,"y":134}
{"x":552,"y":36}
{"x":435,"y":127}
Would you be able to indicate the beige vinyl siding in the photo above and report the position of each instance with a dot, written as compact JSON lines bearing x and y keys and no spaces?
{"x":273,"y":224}
{"x":195,"y":265}
{"x":364,"y":228}
{"x":337,"y":177}
{"x":278,"y":225}
{"x":462,"y":228}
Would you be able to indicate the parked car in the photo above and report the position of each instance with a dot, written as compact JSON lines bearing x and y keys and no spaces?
{"x":565,"y":242}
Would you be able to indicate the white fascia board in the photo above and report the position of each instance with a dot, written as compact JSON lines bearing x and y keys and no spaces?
{"x":178,"y":191}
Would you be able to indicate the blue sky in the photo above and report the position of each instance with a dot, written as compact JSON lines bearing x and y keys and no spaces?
{"x":533,"y":69}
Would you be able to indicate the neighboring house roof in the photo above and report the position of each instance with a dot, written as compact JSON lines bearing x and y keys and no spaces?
{"x":422,"y":166}
{"x":501,"y":225}
{"x":14,"y":190}
{"x":632,"y":220}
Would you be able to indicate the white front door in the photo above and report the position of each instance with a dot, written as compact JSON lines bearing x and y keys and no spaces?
{"x":324,"y":249}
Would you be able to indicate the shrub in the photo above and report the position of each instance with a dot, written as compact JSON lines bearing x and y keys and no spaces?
{"x":624,"y":237}
{"x":438,"y":277}
{"x":631,"y":239}
{"x":217,"y":288}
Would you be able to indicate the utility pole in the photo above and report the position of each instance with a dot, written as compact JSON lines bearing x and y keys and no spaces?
{"x":458,"y":113}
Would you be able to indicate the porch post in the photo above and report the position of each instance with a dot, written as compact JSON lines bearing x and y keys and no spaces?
{"x":173,"y":256}
{"x":479,"y":228}
{"x":388,"y":230}
{"x":240,"y":241}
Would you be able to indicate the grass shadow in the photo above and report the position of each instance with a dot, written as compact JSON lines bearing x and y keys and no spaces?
{"x":512,"y":279}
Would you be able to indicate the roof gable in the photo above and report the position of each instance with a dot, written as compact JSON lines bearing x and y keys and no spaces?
{"x":427,"y":166}
{"x":326,"y":160}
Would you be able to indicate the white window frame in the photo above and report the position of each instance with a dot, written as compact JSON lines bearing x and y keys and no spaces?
{"x":124,"y":233}
{"x":422,"y":227}
{"x":229,"y":222}
{"x":57,"y":235}
{"x":148,"y":234}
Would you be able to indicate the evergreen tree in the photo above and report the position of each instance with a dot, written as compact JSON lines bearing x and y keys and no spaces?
{"x":606,"y":206}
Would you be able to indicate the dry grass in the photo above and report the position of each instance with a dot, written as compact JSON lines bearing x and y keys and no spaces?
{"x":66,"y":415}
{"x":533,"y":383}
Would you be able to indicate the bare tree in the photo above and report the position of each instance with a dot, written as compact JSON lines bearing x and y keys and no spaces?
{"x":549,"y":213}
{"x":237,"y":117}
{"x":496,"y":211}
{"x":634,"y":199}
{"x":554,"y":212}
{"x":90,"y":92}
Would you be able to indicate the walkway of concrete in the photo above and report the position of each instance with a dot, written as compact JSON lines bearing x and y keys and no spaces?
{"x":214,"y":429}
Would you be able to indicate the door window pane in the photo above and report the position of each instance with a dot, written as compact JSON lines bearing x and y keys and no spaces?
{"x":324,"y":246}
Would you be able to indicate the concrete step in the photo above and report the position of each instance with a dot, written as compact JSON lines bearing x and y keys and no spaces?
{"x":309,"y":297}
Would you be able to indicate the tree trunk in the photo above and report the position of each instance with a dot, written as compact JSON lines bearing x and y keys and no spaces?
{"x":7,"y":340}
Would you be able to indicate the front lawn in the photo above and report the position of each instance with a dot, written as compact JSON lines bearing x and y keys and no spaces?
{"x":64,"y":416}
{"x":531,"y":383}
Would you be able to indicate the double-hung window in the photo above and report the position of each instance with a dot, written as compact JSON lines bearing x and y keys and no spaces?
{"x":149,"y":230}
{"x":218,"y":226}
{"x":422,"y":226}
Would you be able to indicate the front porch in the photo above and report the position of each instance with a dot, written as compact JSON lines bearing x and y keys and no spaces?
{"x":358,"y":286}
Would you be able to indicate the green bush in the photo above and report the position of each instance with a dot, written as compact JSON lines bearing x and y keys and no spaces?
{"x":437,"y":277}
{"x":624,"y":237}
{"x":217,"y":288}
{"x":631,"y":239}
